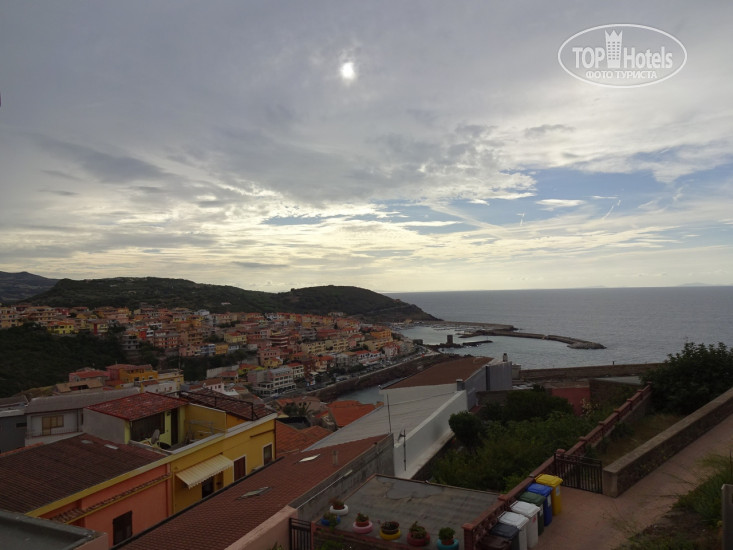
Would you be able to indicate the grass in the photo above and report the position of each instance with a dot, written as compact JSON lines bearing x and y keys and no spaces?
{"x":695,"y":521}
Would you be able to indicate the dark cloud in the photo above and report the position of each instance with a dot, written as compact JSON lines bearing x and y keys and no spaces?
{"x":105,"y":167}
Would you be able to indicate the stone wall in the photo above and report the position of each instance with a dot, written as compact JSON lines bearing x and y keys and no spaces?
{"x":629,"y":469}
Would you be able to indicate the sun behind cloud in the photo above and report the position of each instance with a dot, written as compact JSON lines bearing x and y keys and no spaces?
{"x":348,"y":71}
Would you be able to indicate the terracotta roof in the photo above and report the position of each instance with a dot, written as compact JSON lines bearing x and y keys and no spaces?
{"x":345,"y":412}
{"x":446,"y":372}
{"x":90,"y":373}
{"x":38,"y":475}
{"x":138,"y":406}
{"x":289,"y":439}
{"x":218,"y":522}
{"x":232,"y":405}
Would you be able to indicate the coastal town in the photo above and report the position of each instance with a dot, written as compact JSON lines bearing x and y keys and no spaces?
{"x":153,"y":445}
{"x":284,"y":350}
{"x":261,"y":454}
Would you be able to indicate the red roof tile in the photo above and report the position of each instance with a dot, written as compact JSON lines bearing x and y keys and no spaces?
{"x":345,"y":412}
{"x":219,"y":521}
{"x":138,"y":406}
{"x":246,"y":410}
{"x":289,"y":439}
{"x":38,"y":475}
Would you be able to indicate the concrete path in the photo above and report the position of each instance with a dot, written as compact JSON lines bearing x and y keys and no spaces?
{"x":589,"y":520}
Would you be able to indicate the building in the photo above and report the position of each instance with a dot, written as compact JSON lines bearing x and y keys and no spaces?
{"x":209,"y":440}
{"x":272,"y":381}
{"x":87,"y":482}
{"x":433,"y":506}
{"x":417,"y":410}
{"x":12,"y":422}
{"x":255,"y":513}
{"x":19,"y":531}
{"x":49,"y":419}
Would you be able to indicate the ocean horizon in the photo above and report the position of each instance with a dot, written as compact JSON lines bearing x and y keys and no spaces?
{"x":636,"y":325}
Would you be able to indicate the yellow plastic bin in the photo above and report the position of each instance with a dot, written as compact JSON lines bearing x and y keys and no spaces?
{"x":554,"y":483}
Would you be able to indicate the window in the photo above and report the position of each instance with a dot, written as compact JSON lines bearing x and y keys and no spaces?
{"x":51,"y":422}
{"x":240,"y":468}
{"x":207,"y":487}
{"x":122,"y":527}
{"x":267,"y":454}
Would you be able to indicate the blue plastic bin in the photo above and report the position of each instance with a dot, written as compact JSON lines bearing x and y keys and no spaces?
{"x":546,"y":492}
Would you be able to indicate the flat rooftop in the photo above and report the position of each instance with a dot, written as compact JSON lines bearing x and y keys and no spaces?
{"x":385,"y":498}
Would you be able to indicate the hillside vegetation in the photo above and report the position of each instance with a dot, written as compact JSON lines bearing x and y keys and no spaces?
{"x":31,"y":357}
{"x":19,"y":286}
{"x":132,"y":291}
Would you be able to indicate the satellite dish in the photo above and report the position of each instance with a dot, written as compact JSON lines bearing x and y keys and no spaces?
{"x":155,"y":437}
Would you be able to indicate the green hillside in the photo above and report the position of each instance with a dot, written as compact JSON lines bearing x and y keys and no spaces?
{"x":19,"y":286}
{"x":133,"y":291}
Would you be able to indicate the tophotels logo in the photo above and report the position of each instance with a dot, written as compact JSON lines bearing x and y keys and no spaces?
{"x":622,"y":55}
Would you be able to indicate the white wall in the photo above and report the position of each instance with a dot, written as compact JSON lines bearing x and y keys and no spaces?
{"x":428,"y":437}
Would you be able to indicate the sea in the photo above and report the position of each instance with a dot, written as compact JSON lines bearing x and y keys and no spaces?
{"x":636,"y":325}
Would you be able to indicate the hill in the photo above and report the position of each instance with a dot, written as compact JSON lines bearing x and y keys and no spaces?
{"x":132,"y":291}
{"x":15,"y":287}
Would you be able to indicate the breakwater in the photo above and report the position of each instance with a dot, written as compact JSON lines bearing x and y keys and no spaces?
{"x":474,"y":330}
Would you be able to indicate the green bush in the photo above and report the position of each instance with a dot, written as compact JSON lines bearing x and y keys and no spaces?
{"x":690,"y":379}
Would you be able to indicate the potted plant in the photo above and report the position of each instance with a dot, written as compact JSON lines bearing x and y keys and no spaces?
{"x":390,"y":530}
{"x":417,"y":535}
{"x":362,"y":524}
{"x":447,"y":539}
{"x":330,"y":519}
{"x":338,"y":507}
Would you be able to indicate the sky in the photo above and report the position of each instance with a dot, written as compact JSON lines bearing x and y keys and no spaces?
{"x":402,"y":146}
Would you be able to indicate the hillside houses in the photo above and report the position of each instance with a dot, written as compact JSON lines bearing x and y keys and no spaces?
{"x":307,"y":344}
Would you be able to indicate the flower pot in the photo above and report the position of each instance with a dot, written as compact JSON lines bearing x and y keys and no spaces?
{"x":339,"y":511}
{"x":362,"y":527}
{"x":412,"y":541}
{"x":448,"y":544}
{"x":390,"y":532}
{"x":327,"y":523}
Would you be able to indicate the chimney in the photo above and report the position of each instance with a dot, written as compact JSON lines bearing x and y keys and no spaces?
{"x":335,"y":457}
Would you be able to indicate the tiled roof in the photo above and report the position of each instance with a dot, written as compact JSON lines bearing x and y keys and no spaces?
{"x":446,"y":372}
{"x":232,"y":405}
{"x":219,"y":521}
{"x":38,"y":475}
{"x":138,"y":406}
{"x":289,"y":439}
{"x":345,"y":412}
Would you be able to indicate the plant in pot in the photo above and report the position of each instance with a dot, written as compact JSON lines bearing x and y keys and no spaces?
{"x":390,"y":530}
{"x":362,"y":524}
{"x":417,"y":535}
{"x":338,"y":507}
{"x":330,"y":520}
{"x":447,"y":539}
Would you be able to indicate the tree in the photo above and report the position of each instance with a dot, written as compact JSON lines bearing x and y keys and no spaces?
{"x":468,"y":429}
{"x":690,"y":379}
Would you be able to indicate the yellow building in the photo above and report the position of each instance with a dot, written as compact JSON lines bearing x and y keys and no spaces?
{"x":210,"y":440}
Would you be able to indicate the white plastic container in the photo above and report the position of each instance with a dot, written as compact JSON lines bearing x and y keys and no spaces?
{"x":518,"y":521}
{"x":531,"y":512}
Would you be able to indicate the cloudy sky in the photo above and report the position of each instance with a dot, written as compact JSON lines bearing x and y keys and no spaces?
{"x":397,"y":146}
